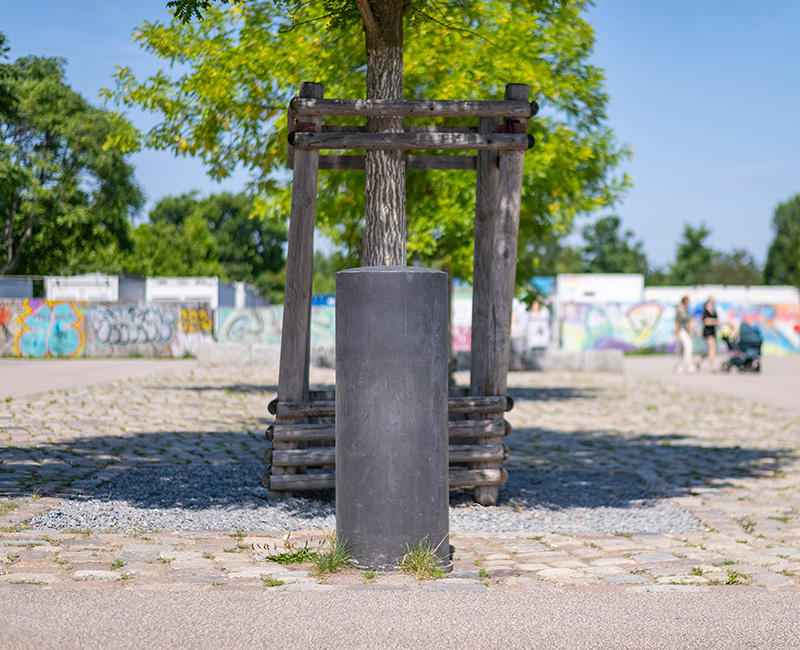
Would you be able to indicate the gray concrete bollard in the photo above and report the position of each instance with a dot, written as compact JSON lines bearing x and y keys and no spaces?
{"x":391,"y":413}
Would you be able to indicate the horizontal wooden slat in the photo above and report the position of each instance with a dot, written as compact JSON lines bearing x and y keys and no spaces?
{"x":412,"y":162}
{"x":327,"y":456}
{"x":342,"y":128}
{"x":475,"y":477}
{"x":327,"y":408}
{"x":405,"y":141}
{"x":460,"y":429}
{"x":457,"y":478}
{"x":490,"y":404}
{"x":414,"y":107}
{"x":289,"y":482}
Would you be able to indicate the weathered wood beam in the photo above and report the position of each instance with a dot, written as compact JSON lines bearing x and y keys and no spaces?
{"x":414,"y":108}
{"x":456,"y":478}
{"x":314,"y":457}
{"x":412,"y":162}
{"x":463,"y":428}
{"x":327,"y":408}
{"x":347,"y":128}
{"x":406,"y":141}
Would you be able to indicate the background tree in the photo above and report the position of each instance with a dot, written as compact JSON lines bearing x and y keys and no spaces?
{"x":698,"y":263}
{"x":783,"y":257}
{"x":607,"y":250}
{"x":693,"y":258}
{"x":218,"y":235}
{"x":239,"y":69}
{"x":65,"y":199}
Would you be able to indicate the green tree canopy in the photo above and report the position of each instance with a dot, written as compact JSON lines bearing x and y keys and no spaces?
{"x":65,"y":198}
{"x":693,"y":258}
{"x":783,"y":257}
{"x":223,"y":94}
{"x":217,"y":235}
{"x":698,"y":263}
{"x":607,"y":250}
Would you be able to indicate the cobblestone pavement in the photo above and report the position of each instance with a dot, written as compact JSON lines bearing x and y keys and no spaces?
{"x":732,"y":464}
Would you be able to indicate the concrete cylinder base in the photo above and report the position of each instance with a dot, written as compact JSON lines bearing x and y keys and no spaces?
{"x":391,"y":414}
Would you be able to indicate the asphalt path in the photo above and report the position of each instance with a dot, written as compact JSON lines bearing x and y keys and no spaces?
{"x":730,"y":619}
{"x":778,"y":384}
{"x":25,"y":377}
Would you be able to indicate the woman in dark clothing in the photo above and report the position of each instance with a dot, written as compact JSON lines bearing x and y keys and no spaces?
{"x":710,"y":322}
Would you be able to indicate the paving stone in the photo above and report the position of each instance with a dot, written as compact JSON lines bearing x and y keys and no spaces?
{"x":654,"y":557}
{"x":95,"y":574}
{"x":770,"y":579}
{"x":628,"y":579}
{"x":447,"y":586}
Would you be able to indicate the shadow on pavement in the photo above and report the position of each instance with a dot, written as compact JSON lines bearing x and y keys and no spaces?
{"x":201,"y":469}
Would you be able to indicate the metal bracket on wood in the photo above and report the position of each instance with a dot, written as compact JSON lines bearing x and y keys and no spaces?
{"x":301,"y":127}
{"x":510,"y":126}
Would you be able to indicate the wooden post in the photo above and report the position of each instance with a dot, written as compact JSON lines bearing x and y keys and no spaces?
{"x":485,"y":206}
{"x":296,"y":331}
{"x":503,"y":274}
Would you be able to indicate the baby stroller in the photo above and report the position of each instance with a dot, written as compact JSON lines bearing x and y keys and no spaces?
{"x":745,"y":350}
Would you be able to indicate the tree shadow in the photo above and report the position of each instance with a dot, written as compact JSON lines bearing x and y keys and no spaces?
{"x":172,"y":470}
{"x":617,"y":469}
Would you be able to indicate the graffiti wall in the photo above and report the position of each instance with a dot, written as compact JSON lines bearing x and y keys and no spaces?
{"x":651,"y":325}
{"x":263,"y":325}
{"x":37,"y":328}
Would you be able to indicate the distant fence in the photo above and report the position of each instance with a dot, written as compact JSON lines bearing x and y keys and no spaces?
{"x":37,"y":328}
{"x":651,"y":325}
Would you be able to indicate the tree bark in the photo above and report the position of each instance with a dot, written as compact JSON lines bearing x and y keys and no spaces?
{"x":384,"y":239}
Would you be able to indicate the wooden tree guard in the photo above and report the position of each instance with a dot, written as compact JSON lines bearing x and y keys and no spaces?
{"x":304,"y":420}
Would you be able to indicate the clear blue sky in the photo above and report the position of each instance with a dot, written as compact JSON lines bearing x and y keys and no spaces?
{"x":707,"y":92}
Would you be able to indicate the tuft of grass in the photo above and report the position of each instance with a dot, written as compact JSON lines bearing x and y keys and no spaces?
{"x":368,"y":576}
{"x":483,"y":574}
{"x":117,"y":564}
{"x":747,"y":524}
{"x":697,"y":571}
{"x":333,"y":556}
{"x":8,"y":506}
{"x":736,"y":578}
{"x":207,"y":555}
{"x":269,"y":581}
{"x":420,"y":561}
{"x":300,"y":556}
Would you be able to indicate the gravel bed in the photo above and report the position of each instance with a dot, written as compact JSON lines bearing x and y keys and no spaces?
{"x":229,"y":497}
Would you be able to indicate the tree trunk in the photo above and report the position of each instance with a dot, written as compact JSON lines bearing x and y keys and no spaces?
{"x":384,"y":239}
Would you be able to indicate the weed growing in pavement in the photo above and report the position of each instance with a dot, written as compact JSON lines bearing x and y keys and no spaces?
{"x":420,"y":561}
{"x":483,"y":574}
{"x":368,"y":576}
{"x":736,"y":578}
{"x":697,"y":571}
{"x":117,"y":564}
{"x":333,"y":556}
{"x":272,"y":582}
{"x":208,"y":555}
{"x":299,"y":556}
{"x":748,"y":525}
{"x":8,"y":506}
{"x":165,"y":560}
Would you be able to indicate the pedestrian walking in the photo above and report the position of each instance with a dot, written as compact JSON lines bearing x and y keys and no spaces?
{"x":710,"y":324}
{"x":684,"y":327}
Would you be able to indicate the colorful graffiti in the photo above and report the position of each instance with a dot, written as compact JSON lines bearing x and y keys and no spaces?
{"x":196,"y":320}
{"x":130,"y":324}
{"x":651,"y":325}
{"x":42,"y":328}
{"x":49,"y":329}
{"x":264,"y":324}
